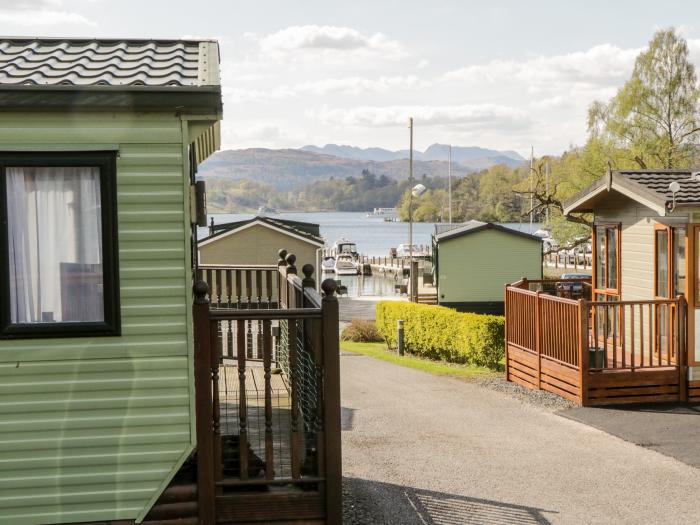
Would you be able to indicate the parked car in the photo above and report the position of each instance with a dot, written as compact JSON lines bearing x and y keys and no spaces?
{"x":572,"y":289}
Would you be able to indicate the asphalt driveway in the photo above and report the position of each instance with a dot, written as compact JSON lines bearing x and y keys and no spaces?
{"x":430,"y":450}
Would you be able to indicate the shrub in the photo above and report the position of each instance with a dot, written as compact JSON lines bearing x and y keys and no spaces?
{"x":360,"y":331}
{"x":437,"y":332}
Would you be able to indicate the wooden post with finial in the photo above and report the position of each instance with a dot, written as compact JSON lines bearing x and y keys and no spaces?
{"x":292,"y":301}
{"x":281,"y":277}
{"x":203,"y":404}
{"x":331,"y":402}
{"x":308,"y":280}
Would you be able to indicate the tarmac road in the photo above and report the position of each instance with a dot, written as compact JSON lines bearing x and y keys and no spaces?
{"x":421,"y":449}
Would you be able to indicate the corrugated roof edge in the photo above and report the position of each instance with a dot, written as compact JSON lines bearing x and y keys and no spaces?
{"x":205,"y":98}
{"x":452,"y":234}
{"x":617,"y":177}
{"x":221,"y":229}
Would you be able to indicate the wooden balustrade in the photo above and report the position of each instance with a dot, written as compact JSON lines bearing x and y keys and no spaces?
{"x":268,"y":400}
{"x":240,"y":286}
{"x":595,"y":352}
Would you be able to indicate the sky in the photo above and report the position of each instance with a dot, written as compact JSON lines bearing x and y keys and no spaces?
{"x":506,"y":75}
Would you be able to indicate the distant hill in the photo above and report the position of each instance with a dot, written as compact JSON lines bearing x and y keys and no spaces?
{"x":287,"y":169}
{"x":471,"y":157}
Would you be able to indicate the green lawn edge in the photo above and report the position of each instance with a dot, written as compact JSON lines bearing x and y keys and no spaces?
{"x":438,"y":368}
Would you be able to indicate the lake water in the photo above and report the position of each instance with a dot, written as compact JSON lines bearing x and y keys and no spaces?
{"x":373,"y":236}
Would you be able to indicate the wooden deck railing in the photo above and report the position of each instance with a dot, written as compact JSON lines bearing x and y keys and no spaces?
{"x":595,"y":352}
{"x":240,"y":286}
{"x":268,"y":400}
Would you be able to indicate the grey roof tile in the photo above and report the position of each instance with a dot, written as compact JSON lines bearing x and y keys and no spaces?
{"x":659,"y":180}
{"x":76,"y":62}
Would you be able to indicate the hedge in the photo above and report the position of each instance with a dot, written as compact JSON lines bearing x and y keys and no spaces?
{"x":437,"y":332}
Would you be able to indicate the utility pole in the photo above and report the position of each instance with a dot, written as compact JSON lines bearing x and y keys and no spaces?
{"x":449,"y":182}
{"x":546,"y":175}
{"x":410,"y":204}
{"x":532,"y":197}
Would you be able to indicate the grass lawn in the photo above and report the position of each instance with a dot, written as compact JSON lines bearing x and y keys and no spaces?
{"x":438,"y":368}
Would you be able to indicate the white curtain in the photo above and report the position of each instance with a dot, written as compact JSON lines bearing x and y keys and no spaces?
{"x":55,"y":244}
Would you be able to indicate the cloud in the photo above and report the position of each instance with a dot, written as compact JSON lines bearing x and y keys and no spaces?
{"x":325,"y":37}
{"x":265,"y":134}
{"x":602,"y":65}
{"x":343,"y":86}
{"x":297,"y":42}
{"x":39,"y":13}
{"x":466,"y":116}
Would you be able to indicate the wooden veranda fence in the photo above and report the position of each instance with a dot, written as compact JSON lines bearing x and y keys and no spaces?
{"x":267,"y":396}
{"x":595,"y":352}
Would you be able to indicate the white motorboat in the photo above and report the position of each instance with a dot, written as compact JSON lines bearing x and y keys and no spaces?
{"x":328,"y":264}
{"x":345,"y":264}
{"x":343,"y":247}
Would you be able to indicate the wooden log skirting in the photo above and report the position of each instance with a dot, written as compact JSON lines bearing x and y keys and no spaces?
{"x":597,"y":353}
{"x":267,"y":395}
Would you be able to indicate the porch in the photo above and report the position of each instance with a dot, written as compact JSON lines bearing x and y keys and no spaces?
{"x":595,"y":352}
{"x":267,"y":395}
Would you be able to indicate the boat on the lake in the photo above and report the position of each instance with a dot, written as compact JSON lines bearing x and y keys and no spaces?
{"x":328,"y":264}
{"x":388,"y":214}
{"x":404,"y":250}
{"x":343,"y":247}
{"x":345,"y":264}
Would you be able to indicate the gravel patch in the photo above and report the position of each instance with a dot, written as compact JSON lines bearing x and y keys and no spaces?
{"x":538,"y":398}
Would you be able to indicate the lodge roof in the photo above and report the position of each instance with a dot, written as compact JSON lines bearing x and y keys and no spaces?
{"x":444,"y":232}
{"x":306,"y":230}
{"x":649,"y":187}
{"x":154,"y":73}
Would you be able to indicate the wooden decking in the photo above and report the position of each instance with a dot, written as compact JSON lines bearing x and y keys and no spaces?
{"x":229,"y":397}
{"x":596,"y":353}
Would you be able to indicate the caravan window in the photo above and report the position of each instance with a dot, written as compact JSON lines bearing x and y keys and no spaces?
{"x":58,"y":245}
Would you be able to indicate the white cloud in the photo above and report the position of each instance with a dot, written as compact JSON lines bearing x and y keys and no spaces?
{"x":343,"y":86}
{"x":602,"y":65}
{"x":483,"y":116}
{"x":326,"y":37}
{"x":43,"y":18}
{"x":262,"y":134}
{"x":39,"y":13}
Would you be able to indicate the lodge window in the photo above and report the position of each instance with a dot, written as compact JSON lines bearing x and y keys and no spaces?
{"x":607,"y":258}
{"x":669,"y":261}
{"x":58,"y":254}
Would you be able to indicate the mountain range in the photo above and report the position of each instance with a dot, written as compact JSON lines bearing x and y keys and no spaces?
{"x":471,"y":156}
{"x":288,"y":169}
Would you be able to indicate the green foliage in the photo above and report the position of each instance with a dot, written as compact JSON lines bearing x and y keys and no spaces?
{"x":361,"y":331}
{"x":654,"y":117}
{"x":437,"y":332}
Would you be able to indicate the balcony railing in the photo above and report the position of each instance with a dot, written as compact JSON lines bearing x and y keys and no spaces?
{"x":268,"y":397}
{"x":595,"y":352}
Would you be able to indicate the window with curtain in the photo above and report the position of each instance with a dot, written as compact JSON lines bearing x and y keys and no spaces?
{"x":56,"y":278}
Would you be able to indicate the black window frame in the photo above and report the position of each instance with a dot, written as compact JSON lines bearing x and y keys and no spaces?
{"x":106,"y":161}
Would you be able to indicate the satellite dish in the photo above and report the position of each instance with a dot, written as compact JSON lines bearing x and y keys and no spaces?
{"x":674,"y":187}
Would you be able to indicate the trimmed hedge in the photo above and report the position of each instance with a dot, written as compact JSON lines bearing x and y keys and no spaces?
{"x":437,"y":332}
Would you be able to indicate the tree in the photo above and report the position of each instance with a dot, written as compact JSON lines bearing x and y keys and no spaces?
{"x":497,"y":198}
{"x":654,"y":116}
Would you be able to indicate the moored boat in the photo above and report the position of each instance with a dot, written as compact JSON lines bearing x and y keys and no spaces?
{"x":345,"y":264}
